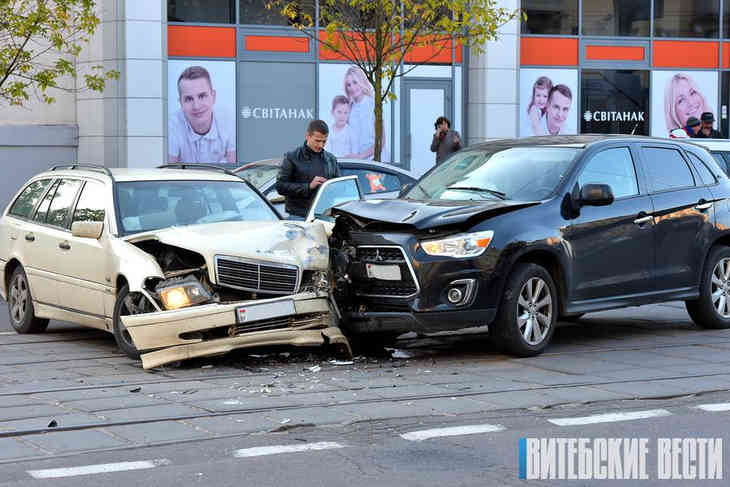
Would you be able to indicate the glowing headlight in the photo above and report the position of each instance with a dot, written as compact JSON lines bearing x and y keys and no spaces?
{"x":463,"y":245}
{"x":180,"y":294}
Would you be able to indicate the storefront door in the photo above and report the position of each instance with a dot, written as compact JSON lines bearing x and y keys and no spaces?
{"x":423,"y":101}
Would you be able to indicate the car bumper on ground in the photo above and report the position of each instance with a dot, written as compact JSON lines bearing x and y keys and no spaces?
{"x":303,"y":319}
{"x":379,"y":322}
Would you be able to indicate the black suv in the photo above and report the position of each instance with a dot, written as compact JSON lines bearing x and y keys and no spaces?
{"x":518,"y":234}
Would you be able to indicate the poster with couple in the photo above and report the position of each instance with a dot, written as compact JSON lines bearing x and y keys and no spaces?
{"x":346,"y":103}
{"x":548,"y":98}
{"x":678,"y":95}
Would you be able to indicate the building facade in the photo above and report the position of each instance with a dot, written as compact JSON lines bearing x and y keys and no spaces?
{"x":573,"y":66}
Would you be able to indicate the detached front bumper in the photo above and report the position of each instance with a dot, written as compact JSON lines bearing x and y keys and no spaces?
{"x":303,"y":319}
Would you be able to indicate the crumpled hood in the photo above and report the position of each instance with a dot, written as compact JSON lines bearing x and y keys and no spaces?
{"x":427,"y":213}
{"x":302,"y":244}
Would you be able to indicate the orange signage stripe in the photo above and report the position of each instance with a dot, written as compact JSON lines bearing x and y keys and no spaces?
{"x":277,"y":44}
{"x":726,"y":54}
{"x":549,"y":51}
{"x":419,"y":54}
{"x":615,"y":53}
{"x":686,"y":54}
{"x":195,"y":41}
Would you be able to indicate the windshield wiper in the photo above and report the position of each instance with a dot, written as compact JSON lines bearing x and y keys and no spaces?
{"x":494,"y":192}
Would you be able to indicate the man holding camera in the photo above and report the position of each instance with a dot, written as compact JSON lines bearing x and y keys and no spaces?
{"x":445,"y":141}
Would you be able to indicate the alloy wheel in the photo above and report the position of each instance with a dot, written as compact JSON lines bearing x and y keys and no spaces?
{"x":534,"y":310}
{"x":18,"y":299}
{"x":721,"y":287}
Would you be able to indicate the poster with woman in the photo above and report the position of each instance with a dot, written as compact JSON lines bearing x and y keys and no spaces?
{"x":201,"y":115}
{"x":678,"y":95}
{"x":347,"y":104}
{"x":547,"y":101}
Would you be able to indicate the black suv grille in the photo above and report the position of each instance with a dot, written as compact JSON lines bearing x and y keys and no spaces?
{"x":366,"y":286}
{"x":253,"y":276}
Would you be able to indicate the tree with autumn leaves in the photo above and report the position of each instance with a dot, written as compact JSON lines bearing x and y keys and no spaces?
{"x":377,"y":35}
{"x":39,"y":43}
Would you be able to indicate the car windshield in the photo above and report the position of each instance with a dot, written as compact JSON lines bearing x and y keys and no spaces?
{"x":259,"y":175}
{"x":516,"y":173}
{"x":151,"y":205}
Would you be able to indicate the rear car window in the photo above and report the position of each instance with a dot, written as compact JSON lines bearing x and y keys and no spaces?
{"x":26,"y":201}
{"x":705,"y":173}
{"x":666,"y":169}
{"x":63,"y":200}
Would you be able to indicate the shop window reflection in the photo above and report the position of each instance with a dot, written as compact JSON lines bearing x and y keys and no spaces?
{"x":550,"y":17}
{"x":686,"y":18}
{"x":616,"y":17}
{"x":202,"y":11}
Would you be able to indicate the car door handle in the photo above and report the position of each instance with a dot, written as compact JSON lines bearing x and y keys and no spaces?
{"x":30,"y":237}
{"x":65,"y":246}
{"x":702,"y":206}
{"x":643,"y":219}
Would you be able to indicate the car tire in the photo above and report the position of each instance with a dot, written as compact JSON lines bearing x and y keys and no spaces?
{"x":121,"y":335}
{"x":20,"y":305}
{"x":706,"y":311}
{"x":530,"y":298}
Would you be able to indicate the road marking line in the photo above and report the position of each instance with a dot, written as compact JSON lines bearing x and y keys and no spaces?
{"x":610,"y":417}
{"x":53,"y":473}
{"x":454,"y":431}
{"x":273,"y":450}
{"x":723,"y":406}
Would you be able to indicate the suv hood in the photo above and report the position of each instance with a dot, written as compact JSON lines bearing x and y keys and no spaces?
{"x":427,"y":213}
{"x":301,"y":244}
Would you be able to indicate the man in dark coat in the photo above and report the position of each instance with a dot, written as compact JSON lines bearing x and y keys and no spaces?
{"x":304,"y":169}
{"x":706,"y":130}
{"x":445,"y":141}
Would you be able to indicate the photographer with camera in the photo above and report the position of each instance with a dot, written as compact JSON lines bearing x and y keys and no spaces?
{"x":445,"y":141}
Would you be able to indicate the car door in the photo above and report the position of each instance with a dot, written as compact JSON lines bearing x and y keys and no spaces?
{"x":612,"y":246}
{"x":331,"y":193}
{"x":83,"y":262}
{"x":683,"y":214}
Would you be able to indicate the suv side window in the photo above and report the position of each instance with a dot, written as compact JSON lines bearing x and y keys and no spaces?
{"x":63,"y":200}
{"x":705,"y":174}
{"x":614,"y":167}
{"x":666,"y":169}
{"x":91,"y":203}
{"x":26,"y":201}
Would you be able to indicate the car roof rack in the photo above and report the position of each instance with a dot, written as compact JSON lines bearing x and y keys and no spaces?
{"x":88,"y":167}
{"x":188,"y":165}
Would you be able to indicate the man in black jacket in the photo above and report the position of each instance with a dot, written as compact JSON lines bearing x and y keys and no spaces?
{"x":305,"y":169}
{"x":706,"y":130}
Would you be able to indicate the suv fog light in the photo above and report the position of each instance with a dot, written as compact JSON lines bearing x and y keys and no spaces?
{"x":455,"y":295}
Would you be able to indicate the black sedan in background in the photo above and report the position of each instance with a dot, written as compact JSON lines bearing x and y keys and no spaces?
{"x":516,"y":234}
{"x":376,"y":179}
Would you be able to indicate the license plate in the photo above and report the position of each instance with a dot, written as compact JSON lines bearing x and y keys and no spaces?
{"x":263,"y":311}
{"x":383,"y":272}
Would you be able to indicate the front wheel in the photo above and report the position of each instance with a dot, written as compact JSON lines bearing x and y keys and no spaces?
{"x":128,"y":304}
{"x":712,"y":308}
{"x":528,"y":312}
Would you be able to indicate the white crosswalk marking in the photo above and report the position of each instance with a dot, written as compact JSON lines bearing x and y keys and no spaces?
{"x":610,"y":417}
{"x":273,"y":450}
{"x":54,"y":473}
{"x":453,"y":431}
{"x":718,"y":407}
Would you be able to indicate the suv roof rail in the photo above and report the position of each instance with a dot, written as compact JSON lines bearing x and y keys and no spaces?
{"x":88,"y":167}
{"x":188,"y":165}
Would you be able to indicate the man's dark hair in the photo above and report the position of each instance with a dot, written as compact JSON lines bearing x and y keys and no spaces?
{"x":442,"y":119}
{"x":562,"y":89}
{"x":318,"y":126}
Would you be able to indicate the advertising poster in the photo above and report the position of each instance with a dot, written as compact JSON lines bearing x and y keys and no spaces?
{"x":614,"y":101}
{"x":346,"y":103}
{"x":548,"y":101}
{"x":678,"y":95}
{"x":276,"y":104}
{"x":201,"y":111}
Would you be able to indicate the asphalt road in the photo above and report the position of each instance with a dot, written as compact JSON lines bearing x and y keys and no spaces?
{"x":451,"y":411}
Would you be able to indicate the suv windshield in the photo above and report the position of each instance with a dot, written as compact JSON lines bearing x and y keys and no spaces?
{"x":259,"y":175}
{"x":151,"y":205}
{"x":516,"y":173}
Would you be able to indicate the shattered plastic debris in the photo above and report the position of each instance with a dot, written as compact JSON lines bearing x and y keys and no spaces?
{"x":398,"y":353}
{"x":341,"y":362}
{"x":285,"y":421}
{"x":135,"y":389}
{"x":314,"y":368}
{"x":207,"y":366}
{"x":53,"y":423}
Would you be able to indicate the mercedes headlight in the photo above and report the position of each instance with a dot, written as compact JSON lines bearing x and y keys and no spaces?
{"x":462,"y":245}
{"x":176,"y":294}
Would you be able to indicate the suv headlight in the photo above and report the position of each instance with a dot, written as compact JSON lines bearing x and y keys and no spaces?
{"x":463,"y":245}
{"x":176,"y":294}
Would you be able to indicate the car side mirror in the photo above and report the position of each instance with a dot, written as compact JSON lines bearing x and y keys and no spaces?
{"x":404,"y":189}
{"x":333,"y":192}
{"x":87,"y":229}
{"x":595,"y":195}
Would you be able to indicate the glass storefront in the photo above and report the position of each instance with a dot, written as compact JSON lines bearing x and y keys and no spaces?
{"x":686,"y":18}
{"x":550,"y":17}
{"x":615,"y":102}
{"x":616,"y":17}
{"x":210,"y":11}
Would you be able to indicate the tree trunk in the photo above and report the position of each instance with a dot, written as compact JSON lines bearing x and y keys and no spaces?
{"x":378,"y":149}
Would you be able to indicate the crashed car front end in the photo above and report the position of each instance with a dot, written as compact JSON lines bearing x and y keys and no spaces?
{"x":218,"y":290}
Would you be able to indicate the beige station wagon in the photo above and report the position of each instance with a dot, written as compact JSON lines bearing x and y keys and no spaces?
{"x":175,"y":262}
